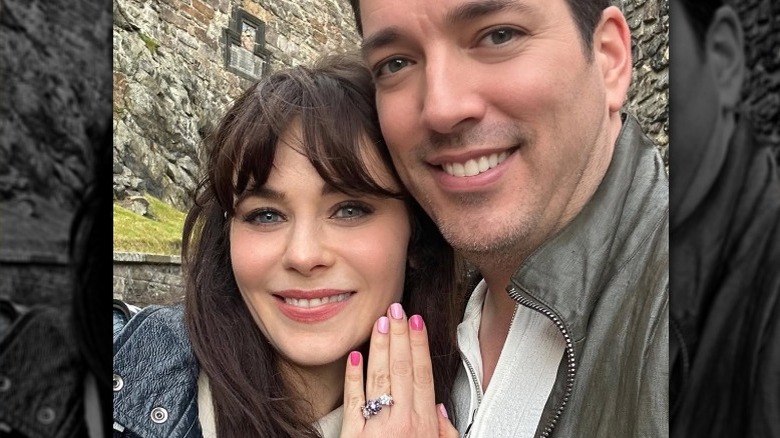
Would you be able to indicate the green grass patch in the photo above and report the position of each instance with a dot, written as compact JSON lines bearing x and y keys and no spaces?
{"x":158,"y":234}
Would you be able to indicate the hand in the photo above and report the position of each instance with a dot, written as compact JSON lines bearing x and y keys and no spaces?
{"x":399,"y":364}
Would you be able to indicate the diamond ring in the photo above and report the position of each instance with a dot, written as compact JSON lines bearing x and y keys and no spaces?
{"x":373,"y":407}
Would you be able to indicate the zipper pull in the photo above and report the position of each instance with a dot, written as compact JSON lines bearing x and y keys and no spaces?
{"x":471,"y":423}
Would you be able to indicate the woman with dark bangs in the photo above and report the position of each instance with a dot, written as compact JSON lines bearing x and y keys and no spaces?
{"x":301,"y":247}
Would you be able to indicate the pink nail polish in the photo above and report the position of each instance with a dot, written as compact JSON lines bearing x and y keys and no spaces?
{"x":383,"y":325}
{"x":354,"y":358}
{"x":443,"y":411}
{"x":396,"y":311}
{"x":416,"y":322}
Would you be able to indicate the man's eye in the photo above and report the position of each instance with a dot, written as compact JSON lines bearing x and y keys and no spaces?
{"x":391,"y":66}
{"x":500,"y":36}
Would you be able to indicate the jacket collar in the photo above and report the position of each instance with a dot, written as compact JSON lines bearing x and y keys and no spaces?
{"x":568,"y":272}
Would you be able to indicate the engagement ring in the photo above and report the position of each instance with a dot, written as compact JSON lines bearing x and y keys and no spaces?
{"x":373,"y":407}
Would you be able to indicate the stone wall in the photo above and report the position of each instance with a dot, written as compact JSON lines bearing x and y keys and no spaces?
{"x":761,"y":23}
{"x":55,"y":93}
{"x":648,"y":97}
{"x":145,"y":279}
{"x":52,"y":95}
{"x":34,"y":279}
{"x":170,"y":83}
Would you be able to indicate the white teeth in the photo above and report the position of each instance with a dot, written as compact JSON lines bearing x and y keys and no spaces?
{"x":475,"y":166}
{"x":458,"y":170}
{"x":472,"y":168}
{"x":316,"y":302}
{"x":484,"y":164}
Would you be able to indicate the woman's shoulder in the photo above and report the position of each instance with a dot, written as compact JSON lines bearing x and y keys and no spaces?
{"x":155,"y":374}
{"x":129,"y":319}
{"x":156,"y":338}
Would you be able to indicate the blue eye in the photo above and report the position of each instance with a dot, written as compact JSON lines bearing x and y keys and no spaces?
{"x":265,"y":216}
{"x":351,"y":211}
{"x":391,"y":66}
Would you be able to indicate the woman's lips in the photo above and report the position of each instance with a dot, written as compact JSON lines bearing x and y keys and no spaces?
{"x":314,"y":306}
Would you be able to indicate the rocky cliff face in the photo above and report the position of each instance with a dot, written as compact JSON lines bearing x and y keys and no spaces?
{"x":54,"y":92}
{"x":171,"y":83}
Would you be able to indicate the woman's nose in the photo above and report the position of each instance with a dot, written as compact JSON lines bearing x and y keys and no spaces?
{"x":307,"y":249}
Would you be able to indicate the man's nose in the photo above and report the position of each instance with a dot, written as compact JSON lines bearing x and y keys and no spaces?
{"x":451,"y":100}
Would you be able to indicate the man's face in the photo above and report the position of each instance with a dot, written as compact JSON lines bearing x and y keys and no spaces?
{"x":694,"y":118}
{"x":494,"y":116}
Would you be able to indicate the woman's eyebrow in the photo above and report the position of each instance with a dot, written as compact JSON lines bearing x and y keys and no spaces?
{"x":276,"y":195}
{"x":261,"y":192}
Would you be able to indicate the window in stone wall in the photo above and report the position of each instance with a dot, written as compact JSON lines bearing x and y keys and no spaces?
{"x":245,"y":52}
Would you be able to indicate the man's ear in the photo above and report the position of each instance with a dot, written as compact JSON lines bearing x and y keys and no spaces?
{"x":612,"y":51}
{"x":725,"y":55}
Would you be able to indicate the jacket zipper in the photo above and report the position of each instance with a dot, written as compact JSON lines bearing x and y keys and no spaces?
{"x":571,"y":368}
{"x":475,"y":381}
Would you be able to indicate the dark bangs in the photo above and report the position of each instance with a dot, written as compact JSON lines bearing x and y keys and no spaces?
{"x":334,"y":103}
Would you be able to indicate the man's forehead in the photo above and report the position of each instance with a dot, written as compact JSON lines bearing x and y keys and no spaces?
{"x":381,"y":30}
{"x":454,"y":11}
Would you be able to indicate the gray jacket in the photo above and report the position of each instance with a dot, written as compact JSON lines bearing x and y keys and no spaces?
{"x":604,"y":282}
{"x":725,"y":350}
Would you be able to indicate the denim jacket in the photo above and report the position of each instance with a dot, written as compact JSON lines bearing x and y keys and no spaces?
{"x":155,"y":375}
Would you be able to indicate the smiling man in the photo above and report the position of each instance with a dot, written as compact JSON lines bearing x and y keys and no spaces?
{"x":503,"y":118}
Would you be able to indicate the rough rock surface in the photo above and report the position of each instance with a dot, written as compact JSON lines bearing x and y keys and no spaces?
{"x":761,"y":24}
{"x":55,"y":92}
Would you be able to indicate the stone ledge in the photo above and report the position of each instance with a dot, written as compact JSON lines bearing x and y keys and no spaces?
{"x":135,"y":257}
{"x":15,"y":256}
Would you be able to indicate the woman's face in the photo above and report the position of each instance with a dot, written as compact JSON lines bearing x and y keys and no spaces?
{"x":315,"y":266}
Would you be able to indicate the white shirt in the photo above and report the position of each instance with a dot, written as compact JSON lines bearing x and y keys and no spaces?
{"x":523,"y":378}
{"x":329,"y":425}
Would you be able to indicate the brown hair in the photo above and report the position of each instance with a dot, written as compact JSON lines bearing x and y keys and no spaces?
{"x":334,"y":101}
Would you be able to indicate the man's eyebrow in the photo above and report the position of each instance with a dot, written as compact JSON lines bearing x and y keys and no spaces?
{"x":462,"y":13}
{"x":480,"y":8}
{"x":380,"y":39}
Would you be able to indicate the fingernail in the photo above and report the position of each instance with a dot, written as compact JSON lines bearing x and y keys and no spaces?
{"x":443,"y":410}
{"x":416,"y":322}
{"x":383,"y":325}
{"x":396,"y":311}
{"x":354,"y":358}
